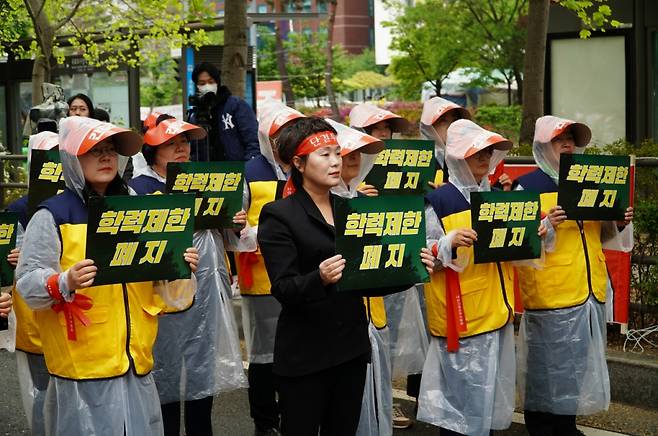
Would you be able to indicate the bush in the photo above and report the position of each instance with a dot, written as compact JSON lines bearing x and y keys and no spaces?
{"x":505,"y":120}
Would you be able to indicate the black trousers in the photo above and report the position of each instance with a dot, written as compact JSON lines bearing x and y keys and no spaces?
{"x":197,"y":418}
{"x":263,"y":406}
{"x":328,"y":401}
{"x":548,"y":424}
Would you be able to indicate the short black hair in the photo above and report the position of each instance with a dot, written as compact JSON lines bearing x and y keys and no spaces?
{"x":87,"y":101}
{"x":293,"y":134}
{"x":208,"y":68}
{"x":149,"y":151}
{"x":101,"y":115}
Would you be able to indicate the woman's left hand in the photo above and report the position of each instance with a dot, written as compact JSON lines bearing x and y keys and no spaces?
{"x":427,"y":258}
{"x":240,"y":218}
{"x":12,"y":257}
{"x":5,"y":304}
{"x":505,"y":181}
{"x":368,"y":190}
{"x":628,"y":217}
{"x":192,"y":257}
{"x":542,"y":230}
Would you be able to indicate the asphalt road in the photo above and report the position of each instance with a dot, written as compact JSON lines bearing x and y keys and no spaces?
{"x":231,"y":413}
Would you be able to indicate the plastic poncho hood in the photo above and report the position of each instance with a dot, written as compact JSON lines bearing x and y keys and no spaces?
{"x":367,"y":114}
{"x":433,"y":109}
{"x":465,"y":138}
{"x":78,"y":135}
{"x":546,"y":129}
{"x":272,"y":116}
{"x":354,"y":141}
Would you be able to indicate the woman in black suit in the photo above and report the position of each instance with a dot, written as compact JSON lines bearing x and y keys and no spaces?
{"x":321,"y":348}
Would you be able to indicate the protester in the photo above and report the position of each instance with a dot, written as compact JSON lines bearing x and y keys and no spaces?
{"x":100,"y":359}
{"x":101,"y":114}
{"x":232,"y":125}
{"x":197,"y":351}
{"x":321,"y":347}
{"x":561,"y":354}
{"x":438,"y":114}
{"x":80,"y":105}
{"x":31,"y":366}
{"x":468,"y":377}
{"x":405,"y":314}
{"x":359,"y":151}
{"x":265,"y":176}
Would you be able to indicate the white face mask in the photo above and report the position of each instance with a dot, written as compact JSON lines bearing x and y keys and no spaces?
{"x":209,"y":87}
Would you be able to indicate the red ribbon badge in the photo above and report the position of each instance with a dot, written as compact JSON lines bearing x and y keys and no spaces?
{"x":456,"y":317}
{"x":73,"y":311}
{"x":247,"y":261}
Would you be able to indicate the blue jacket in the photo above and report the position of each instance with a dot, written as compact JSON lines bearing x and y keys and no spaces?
{"x":236,"y":128}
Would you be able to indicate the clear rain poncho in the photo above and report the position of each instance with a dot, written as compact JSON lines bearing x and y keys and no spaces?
{"x":433,"y":109}
{"x":377,"y":403}
{"x":197,"y":351}
{"x":561,"y":353}
{"x":32,"y":372}
{"x":260,"y":314}
{"x":120,"y":406}
{"x":470,"y":391}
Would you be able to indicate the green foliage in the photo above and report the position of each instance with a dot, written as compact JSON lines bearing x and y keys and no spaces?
{"x":159,"y":86}
{"x":363,"y":62}
{"x":430,"y":40}
{"x":594,"y":15}
{"x":306,"y":64}
{"x":368,"y":80}
{"x":266,"y":55}
{"x":505,"y":120}
{"x":107,"y":33}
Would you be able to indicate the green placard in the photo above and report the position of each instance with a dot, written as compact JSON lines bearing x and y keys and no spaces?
{"x":594,"y":187}
{"x":218,"y":186}
{"x":46,"y":178}
{"x":404,"y":168}
{"x":8,"y":230}
{"x":381,"y":239}
{"x":138,"y":238}
{"x":506,"y":224}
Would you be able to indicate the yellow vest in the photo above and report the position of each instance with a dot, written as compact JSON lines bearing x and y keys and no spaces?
{"x":487,"y":291}
{"x":27,"y":330}
{"x":577,"y":261}
{"x":261,"y":193}
{"x":376,"y":311}
{"x":123,"y":324}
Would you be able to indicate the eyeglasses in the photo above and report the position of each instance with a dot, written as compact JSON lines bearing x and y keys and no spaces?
{"x":98,"y":152}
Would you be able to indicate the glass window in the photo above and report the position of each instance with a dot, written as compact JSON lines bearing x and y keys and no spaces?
{"x":262,"y":9}
{"x":107,"y":91}
{"x":588,"y":84}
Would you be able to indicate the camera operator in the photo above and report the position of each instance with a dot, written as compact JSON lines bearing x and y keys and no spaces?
{"x":230,"y":122}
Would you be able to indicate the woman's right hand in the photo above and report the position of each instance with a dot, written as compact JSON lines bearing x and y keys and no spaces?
{"x":368,"y":190}
{"x":5,"y":304}
{"x":557,"y":215}
{"x":464,"y":238}
{"x":81,"y":275}
{"x":331,"y":270}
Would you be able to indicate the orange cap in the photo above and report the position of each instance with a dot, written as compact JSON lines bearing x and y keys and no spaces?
{"x":170,"y":128}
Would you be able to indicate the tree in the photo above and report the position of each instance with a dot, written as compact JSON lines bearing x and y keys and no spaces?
{"x":107,"y":33}
{"x":307,"y":57}
{"x":234,"y":60}
{"x":267,"y":57}
{"x":499,"y":32}
{"x":329,"y":69}
{"x":159,"y":86}
{"x":368,"y":80}
{"x":594,"y":15}
{"x":431,"y":42}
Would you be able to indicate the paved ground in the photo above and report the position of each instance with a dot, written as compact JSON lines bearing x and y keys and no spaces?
{"x":231,"y":413}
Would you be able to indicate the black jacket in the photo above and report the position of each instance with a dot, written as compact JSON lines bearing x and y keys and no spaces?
{"x":318,"y":327}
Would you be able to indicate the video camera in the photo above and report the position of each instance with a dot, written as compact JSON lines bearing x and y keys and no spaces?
{"x":46,"y":116}
{"x":203,"y":110}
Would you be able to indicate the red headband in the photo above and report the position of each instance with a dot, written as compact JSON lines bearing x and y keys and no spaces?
{"x":315,"y":141}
